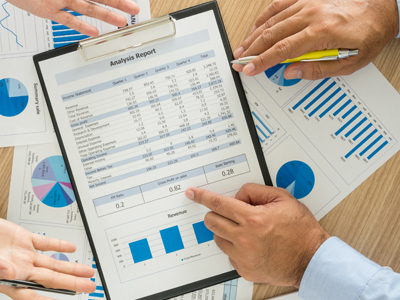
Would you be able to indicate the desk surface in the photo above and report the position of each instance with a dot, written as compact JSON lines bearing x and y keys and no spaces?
{"x":368,"y":219}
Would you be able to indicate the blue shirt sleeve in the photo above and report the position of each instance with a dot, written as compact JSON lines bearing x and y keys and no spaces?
{"x":337,"y":271}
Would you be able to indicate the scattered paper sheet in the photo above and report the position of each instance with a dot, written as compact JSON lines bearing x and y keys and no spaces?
{"x":321,"y":139}
{"x":24,"y":119}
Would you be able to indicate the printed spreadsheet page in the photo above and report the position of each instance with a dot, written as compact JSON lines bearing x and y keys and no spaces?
{"x":138,"y":129}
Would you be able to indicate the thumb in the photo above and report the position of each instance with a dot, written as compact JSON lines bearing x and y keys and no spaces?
{"x":257,"y":194}
{"x":318,"y":70}
{"x":7,"y":270}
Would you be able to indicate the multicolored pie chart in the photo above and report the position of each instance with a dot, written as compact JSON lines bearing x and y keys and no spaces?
{"x":51,"y":183}
{"x":60,"y":256}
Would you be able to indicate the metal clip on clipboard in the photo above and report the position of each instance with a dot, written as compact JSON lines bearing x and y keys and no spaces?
{"x":127,"y":38}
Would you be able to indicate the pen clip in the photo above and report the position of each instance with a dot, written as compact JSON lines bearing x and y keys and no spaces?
{"x":326,"y":58}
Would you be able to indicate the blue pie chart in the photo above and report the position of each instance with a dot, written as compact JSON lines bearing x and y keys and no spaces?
{"x":13,"y":97}
{"x":275,"y":74}
{"x":297,"y":178}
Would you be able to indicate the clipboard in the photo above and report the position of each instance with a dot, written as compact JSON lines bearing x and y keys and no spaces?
{"x":103,"y":49}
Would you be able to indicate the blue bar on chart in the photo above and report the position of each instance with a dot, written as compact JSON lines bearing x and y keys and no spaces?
{"x":324,"y":102}
{"x":261,"y":140}
{"x":360,"y":144}
{"x":319,"y":96}
{"x":97,"y":295}
{"x":349,"y":112}
{"x":262,"y":123}
{"x":371,"y":145}
{"x":332,"y":106}
{"x":362,"y":131}
{"x":140,"y":251}
{"x":94,"y":266}
{"x":172,"y":240}
{"x":262,"y":132}
{"x":203,"y":234}
{"x":377,"y":150}
{"x":310,"y":93}
{"x":355,"y":127}
{"x":341,"y":108}
{"x":348,"y":123}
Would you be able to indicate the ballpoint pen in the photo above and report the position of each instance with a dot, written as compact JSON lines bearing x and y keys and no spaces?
{"x":34,"y":286}
{"x":320,"y":55}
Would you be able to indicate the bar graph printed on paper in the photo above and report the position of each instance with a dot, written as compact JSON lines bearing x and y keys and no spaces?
{"x":268,"y":129}
{"x":99,"y":292}
{"x":139,"y":252}
{"x":63,"y":35}
{"x":171,"y":241}
{"x":353,"y":135}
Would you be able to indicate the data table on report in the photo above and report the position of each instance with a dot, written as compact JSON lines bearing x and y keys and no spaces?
{"x":138,"y":129}
{"x":151,"y":123}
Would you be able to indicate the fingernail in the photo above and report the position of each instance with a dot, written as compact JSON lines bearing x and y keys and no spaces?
{"x":237,"y":67}
{"x":189,"y":194}
{"x":249,"y":68}
{"x":239,"y":51}
{"x":3,"y":273}
{"x":294,"y":74}
{"x":254,"y":29}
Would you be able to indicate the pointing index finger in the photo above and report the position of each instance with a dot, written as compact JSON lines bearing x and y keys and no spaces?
{"x":227,"y":207}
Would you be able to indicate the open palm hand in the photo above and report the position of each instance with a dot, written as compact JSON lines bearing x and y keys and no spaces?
{"x":20,"y":259}
{"x":53,"y":10}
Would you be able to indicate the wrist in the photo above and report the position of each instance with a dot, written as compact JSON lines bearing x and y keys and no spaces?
{"x":318,"y":238}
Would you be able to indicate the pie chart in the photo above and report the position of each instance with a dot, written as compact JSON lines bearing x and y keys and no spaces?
{"x":51,"y":183}
{"x":60,"y":256}
{"x":13,"y":97}
{"x":275,"y":74}
{"x":297,"y":178}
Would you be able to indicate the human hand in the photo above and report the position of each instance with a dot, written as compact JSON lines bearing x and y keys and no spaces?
{"x":20,"y":260}
{"x":52,"y":9}
{"x":269,"y":236}
{"x":290,"y":28}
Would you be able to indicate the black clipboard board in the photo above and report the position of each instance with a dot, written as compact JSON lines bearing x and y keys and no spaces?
{"x":210,"y":6}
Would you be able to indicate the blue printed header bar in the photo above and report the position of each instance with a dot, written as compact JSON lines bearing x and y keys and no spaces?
{"x":137,"y":76}
{"x":131,"y":57}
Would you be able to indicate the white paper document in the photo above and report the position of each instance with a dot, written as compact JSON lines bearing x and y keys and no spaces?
{"x":24,"y":119}
{"x":321,"y":139}
{"x":31,"y":205}
{"x":141,"y":127}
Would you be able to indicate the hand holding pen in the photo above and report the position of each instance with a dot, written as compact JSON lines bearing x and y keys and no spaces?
{"x":19,"y":259}
{"x":290,"y":28}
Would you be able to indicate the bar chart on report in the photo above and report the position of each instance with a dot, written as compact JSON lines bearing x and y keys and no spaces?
{"x":171,"y":240}
{"x":340,"y":125}
{"x":140,"y":253}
